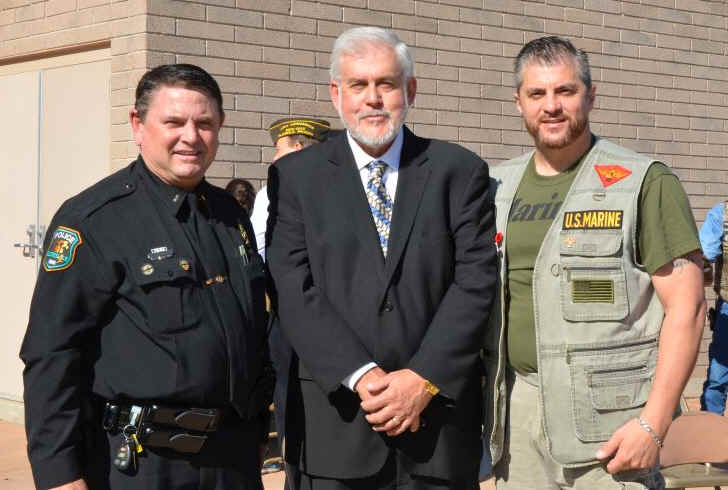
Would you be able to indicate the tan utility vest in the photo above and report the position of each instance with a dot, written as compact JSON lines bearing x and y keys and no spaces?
{"x":721,"y":264}
{"x":597,"y":316}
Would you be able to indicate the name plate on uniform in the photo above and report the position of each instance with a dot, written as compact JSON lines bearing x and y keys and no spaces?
{"x":593,"y":220}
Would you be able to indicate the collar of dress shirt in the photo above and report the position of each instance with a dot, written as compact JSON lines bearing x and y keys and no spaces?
{"x":391,"y":156}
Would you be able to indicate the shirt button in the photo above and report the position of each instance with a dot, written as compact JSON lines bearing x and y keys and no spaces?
{"x":387,"y":307}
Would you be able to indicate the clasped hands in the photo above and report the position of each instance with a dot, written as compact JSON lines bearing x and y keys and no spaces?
{"x":393,"y":401}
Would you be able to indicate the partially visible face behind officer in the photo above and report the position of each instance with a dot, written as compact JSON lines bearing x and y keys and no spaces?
{"x":178,"y":134}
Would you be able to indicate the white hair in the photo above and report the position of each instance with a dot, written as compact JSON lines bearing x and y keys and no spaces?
{"x":356,"y":40}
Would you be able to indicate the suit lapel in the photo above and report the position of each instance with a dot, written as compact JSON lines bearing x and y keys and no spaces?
{"x":411,"y":182}
{"x":346,"y":184}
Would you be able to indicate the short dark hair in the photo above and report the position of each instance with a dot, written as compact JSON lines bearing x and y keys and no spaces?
{"x":177,"y":75}
{"x":249,"y":198}
{"x":550,"y":50}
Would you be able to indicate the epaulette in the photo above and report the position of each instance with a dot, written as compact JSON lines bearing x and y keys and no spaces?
{"x":111,"y":188}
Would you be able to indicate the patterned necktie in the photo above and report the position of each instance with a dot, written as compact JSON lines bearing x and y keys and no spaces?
{"x":379,"y":202}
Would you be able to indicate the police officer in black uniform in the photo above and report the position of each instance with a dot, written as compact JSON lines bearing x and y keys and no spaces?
{"x":146,"y":354}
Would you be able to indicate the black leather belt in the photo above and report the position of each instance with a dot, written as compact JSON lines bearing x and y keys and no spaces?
{"x":180,"y":429}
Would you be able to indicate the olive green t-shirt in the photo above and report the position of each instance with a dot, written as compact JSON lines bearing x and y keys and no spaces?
{"x":666,"y":230}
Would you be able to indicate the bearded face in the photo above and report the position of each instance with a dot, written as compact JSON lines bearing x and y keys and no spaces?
{"x":555,"y":104}
{"x":372,"y":96}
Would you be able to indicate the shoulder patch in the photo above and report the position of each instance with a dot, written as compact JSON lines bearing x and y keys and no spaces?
{"x":611,"y":174}
{"x":62,"y":249}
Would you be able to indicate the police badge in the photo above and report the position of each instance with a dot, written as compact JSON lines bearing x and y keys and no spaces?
{"x":62,"y":250}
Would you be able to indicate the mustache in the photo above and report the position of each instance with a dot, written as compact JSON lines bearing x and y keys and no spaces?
{"x":557,"y":118}
{"x":374,"y":112}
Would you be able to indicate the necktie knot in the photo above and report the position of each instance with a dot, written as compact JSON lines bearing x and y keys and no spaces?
{"x":376,"y":169}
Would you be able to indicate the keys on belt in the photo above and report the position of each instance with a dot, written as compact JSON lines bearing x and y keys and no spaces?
{"x":180,"y":429}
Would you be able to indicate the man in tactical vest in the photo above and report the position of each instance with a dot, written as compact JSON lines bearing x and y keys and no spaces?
{"x":713,"y":240}
{"x":602,"y":305}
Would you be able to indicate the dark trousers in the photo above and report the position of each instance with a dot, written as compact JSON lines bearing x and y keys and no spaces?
{"x":391,"y":477}
{"x":229,"y":460}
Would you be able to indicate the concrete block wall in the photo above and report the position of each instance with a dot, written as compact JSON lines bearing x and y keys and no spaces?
{"x":660,"y":66}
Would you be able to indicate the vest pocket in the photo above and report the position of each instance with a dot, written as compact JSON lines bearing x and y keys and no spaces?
{"x":604,"y":397}
{"x":593,"y":281}
{"x":593,"y":290}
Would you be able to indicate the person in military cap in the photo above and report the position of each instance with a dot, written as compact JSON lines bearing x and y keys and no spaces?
{"x":146,"y":358}
{"x":288,"y":134}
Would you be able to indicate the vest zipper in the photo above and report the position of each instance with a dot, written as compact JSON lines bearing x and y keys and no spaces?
{"x":576,"y":348}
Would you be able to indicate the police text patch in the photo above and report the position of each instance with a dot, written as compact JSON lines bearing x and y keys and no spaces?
{"x":62,"y":250}
{"x":593,"y":220}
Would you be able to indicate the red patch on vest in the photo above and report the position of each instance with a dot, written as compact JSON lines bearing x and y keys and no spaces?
{"x":611,"y":174}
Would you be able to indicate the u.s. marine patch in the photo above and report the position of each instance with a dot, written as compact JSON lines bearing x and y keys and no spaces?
{"x":593,"y":220}
{"x":62,"y":250}
{"x":611,"y":174}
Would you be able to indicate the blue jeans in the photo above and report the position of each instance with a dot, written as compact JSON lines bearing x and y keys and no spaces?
{"x":716,"y":386}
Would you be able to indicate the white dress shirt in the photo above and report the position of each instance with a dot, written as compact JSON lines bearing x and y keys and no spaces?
{"x":259,"y":218}
{"x":391,"y":157}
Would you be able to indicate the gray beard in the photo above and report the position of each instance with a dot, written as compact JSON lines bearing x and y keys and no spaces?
{"x":376,"y":142}
{"x":381,"y":141}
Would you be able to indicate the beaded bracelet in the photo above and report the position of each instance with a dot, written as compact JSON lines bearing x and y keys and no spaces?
{"x":643,"y":423}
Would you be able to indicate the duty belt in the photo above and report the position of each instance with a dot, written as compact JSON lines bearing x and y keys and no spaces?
{"x":181,"y":429}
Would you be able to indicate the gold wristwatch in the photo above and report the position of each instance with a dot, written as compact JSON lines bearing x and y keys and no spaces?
{"x":431,"y":389}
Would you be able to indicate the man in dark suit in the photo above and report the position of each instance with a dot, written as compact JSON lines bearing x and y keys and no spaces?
{"x":382,"y":255}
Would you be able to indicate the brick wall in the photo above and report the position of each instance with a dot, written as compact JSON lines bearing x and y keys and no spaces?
{"x":31,"y":27}
{"x":660,"y":66}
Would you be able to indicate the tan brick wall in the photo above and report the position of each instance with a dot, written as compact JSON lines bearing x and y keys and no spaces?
{"x":661,"y":68}
{"x":29,"y":27}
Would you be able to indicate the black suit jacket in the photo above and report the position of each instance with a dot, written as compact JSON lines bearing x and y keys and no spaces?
{"x":342,"y":305}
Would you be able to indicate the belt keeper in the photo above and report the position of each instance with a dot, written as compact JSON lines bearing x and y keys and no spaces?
{"x":643,"y":423}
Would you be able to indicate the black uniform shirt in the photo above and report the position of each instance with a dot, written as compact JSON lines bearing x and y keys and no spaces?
{"x":141,"y":297}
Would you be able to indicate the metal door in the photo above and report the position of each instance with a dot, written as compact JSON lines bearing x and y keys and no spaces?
{"x":55,"y":128}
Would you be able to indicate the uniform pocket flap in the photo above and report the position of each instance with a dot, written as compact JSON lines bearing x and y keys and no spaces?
{"x":592,"y":243}
{"x":619,"y":387}
{"x":153,"y":271}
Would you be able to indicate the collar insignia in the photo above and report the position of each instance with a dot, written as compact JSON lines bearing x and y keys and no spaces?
{"x":611,"y":174}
